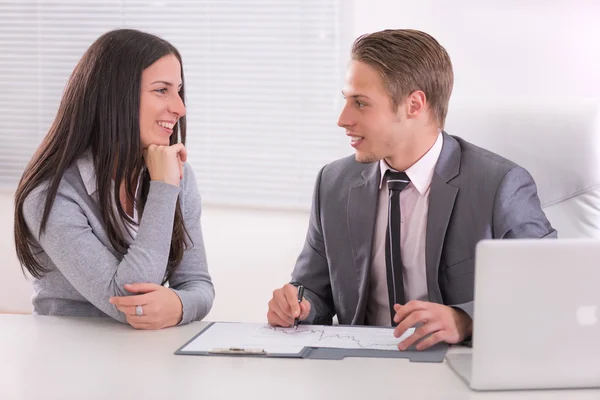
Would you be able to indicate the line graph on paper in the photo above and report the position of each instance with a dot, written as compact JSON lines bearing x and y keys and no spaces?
{"x":346,"y":337}
{"x":291,"y":341}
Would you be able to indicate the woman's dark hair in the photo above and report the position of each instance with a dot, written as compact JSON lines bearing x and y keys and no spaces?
{"x":99,"y":112}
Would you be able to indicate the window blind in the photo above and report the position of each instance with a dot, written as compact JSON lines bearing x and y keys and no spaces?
{"x":263,"y":80}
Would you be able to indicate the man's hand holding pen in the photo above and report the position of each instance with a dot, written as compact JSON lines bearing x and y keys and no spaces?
{"x":284,"y":307}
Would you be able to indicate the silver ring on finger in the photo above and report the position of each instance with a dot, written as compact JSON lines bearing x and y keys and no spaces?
{"x":139,"y":311}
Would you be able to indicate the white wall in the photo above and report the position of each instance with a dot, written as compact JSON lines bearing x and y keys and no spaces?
{"x":250,"y":253}
{"x":511,"y":49}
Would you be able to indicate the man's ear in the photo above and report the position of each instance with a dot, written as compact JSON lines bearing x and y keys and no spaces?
{"x":415,"y":104}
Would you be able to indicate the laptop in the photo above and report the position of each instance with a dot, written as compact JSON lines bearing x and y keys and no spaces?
{"x":537,"y":316}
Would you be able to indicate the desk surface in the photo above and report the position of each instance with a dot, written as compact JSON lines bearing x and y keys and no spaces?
{"x":81,"y":358}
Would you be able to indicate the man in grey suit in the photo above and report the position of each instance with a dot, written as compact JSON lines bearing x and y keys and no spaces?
{"x":393,"y":229}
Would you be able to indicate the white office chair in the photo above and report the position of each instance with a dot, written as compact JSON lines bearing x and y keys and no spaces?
{"x":15,"y":290}
{"x":558,"y":143}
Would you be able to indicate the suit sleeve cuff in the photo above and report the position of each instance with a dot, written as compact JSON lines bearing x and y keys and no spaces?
{"x":467,"y":308}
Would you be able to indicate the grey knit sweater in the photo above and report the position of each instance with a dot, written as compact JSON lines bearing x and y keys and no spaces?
{"x":84,"y":269}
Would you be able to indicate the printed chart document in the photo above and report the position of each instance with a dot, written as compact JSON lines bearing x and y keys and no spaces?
{"x":291,"y":341}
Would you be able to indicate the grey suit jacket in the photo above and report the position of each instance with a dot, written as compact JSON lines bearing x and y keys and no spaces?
{"x":474,"y":195}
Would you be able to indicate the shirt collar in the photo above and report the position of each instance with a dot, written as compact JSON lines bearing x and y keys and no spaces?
{"x":421,"y":172}
{"x":85,"y":165}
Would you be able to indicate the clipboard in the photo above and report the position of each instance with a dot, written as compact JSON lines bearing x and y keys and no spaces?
{"x":434,"y":354}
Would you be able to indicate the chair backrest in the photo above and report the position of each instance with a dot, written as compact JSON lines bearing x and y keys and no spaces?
{"x":559,"y":144}
{"x":15,"y":290}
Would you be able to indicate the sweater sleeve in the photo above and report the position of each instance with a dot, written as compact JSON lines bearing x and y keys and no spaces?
{"x":93,"y":270}
{"x":191,"y":280}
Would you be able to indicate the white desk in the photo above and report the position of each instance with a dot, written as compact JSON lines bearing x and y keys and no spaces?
{"x":80,"y":358}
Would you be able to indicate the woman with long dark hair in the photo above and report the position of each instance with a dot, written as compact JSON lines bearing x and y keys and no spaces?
{"x":107,"y":211}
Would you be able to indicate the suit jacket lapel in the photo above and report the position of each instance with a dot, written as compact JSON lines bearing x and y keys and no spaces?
{"x":441,"y":203}
{"x":362,"y":207}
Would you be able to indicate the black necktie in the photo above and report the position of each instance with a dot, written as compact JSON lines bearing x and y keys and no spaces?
{"x":396,"y":181}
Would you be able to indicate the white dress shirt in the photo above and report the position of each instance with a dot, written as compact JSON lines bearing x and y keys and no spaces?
{"x":85,"y":165}
{"x":414,"y":204}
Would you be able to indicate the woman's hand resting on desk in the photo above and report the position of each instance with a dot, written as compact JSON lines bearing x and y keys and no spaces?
{"x":165,"y":163}
{"x":284,"y":307}
{"x":442,"y":323}
{"x":161,"y":306}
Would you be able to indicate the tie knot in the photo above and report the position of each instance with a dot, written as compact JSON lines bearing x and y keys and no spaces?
{"x":396,"y":181}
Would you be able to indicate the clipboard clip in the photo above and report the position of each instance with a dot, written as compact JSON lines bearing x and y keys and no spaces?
{"x":238,"y":350}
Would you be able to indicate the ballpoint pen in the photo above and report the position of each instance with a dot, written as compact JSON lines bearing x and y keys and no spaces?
{"x":300,"y":295}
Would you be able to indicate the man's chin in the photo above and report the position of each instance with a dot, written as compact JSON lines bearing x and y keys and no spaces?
{"x":365,"y":158}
